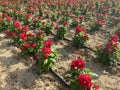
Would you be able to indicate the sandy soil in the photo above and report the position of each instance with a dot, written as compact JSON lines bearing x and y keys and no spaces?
{"x":17,"y":72}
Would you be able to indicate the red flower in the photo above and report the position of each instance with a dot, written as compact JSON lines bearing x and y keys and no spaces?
{"x":13,"y":34}
{"x":101,"y":20}
{"x":79,"y":29}
{"x":27,"y":15}
{"x":110,"y":46}
{"x":9,"y":18}
{"x":7,"y":32}
{"x":22,"y":48}
{"x":56,"y":27}
{"x":117,"y":32}
{"x":31,"y":34}
{"x":23,"y":36}
{"x":39,"y":17}
{"x":36,"y":56}
{"x":96,"y":87}
{"x":65,"y":23}
{"x":25,"y":28}
{"x":114,"y":38}
{"x":1,"y":19}
{"x":4,"y":15}
{"x":53,"y":24}
{"x":78,"y":63}
{"x":46,"y":51}
{"x":17,"y":24}
{"x":34,"y":45}
{"x":85,"y":81}
{"x":45,"y":56}
{"x":48,"y":43}
{"x":27,"y":45}
{"x":82,"y":18}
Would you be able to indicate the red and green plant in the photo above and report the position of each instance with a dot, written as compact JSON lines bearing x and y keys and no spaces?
{"x":81,"y":77}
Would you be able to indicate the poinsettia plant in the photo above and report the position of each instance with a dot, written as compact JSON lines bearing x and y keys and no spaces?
{"x":81,"y":77}
{"x":80,"y":37}
{"x":110,"y":51}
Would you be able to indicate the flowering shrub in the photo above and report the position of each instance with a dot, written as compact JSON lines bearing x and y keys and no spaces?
{"x":109,"y":52}
{"x":81,"y":77}
{"x":80,"y":37}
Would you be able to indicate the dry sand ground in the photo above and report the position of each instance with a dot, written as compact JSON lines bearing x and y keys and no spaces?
{"x":17,"y":72}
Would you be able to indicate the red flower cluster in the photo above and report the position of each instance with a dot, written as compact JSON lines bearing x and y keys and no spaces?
{"x":31,"y":34}
{"x":17,"y":24}
{"x":114,"y":38}
{"x":1,"y":19}
{"x":4,"y":15}
{"x":46,"y":51}
{"x":96,"y":87}
{"x":48,"y":43}
{"x":7,"y":32}
{"x":27,"y":15}
{"x":26,"y":28}
{"x":23,"y":36}
{"x":112,"y":44}
{"x":79,"y":29}
{"x":101,"y":20}
{"x":85,"y":80}
{"x":117,"y":32}
{"x":28,"y":45}
{"x":78,"y":63}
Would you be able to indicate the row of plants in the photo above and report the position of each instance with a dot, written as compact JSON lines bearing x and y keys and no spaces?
{"x":46,"y":54}
{"x":29,"y":31}
{"x":79,"y":39}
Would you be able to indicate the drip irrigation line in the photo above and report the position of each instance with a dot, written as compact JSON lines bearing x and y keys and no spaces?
{"x":89,"y":48}
{"x":59,"y":78}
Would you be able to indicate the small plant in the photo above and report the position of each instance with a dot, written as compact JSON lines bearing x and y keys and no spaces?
{"x":62,"y":30}
{"x":117,"y":32}
{"x":47,"y":57}
{"x":27,"y":19}
{"x":81,"y":77}
{"x":80,"y":37}
{"x":97,"y":25}
{"x":5,"y":22}
{"x":47,"y":27}
{"x":37,"y":23}
{"x":33,"y":43}
{"x":109,"y":52}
